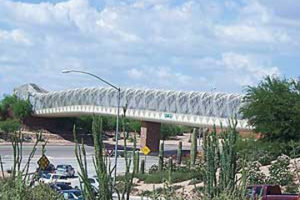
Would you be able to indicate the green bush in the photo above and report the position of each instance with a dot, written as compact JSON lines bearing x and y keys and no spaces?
{"x":273,"y":108}
{"x":265,"y":151}
{"x":169,"y":130}
{"x":109,"y":124}
{"x":11,"y":189}
{"x":177,"y":176}
{"x":280,"y":173}
{"x":254,"y":174}
{"x":5,"y":103}
{"x":43,"y":192}
{"x":20,"y":108}
{"x":10,"y":125}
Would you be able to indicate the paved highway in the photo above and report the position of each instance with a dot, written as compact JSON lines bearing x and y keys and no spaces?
{"x":63,"y":155}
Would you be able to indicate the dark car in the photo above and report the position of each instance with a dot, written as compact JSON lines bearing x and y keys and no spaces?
{"x":60,"y":186}
{"x":72,"y":194}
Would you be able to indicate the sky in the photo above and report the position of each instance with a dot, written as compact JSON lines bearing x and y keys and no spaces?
{"x":189,"y":45}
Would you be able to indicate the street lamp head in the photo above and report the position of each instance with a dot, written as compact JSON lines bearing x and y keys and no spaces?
{"x":66,"y":71}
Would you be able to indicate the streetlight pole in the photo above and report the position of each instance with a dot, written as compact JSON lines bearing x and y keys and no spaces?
{"x":118,"y":114}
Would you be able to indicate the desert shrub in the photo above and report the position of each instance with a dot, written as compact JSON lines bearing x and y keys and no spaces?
{"x":280,"y":172}
{"x":177,"y":176}
{"x":254,"y":174}
{"x":153,"y":169}
{"x":292,"y":188}
{"x":16,"y":190}
{"x":264,"y":151}
{"x":43,"y":192}
{"x":169,"y":130}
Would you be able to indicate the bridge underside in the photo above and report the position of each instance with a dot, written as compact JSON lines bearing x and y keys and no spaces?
{"x":142,"y":115}
{"x":151,"y":120}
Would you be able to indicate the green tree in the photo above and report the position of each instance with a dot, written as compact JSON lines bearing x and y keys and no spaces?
{"x":6,"y":103}
{"x":273,"y":108}
{"x":10,"y":125}
{"x":20,"y":108}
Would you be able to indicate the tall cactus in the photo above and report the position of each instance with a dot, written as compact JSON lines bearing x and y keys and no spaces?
{"x":170,"y":169}
{"x":143,"y":166}
{"x":161,"y":157}
{"x":193,"y":150}
{"x":137,"y":162}
{"x":220,"y":152}
{"x":100,"y":164}
{"x":179,"y":153}
{"x":210,"y":147}
{"x":228,"y":158}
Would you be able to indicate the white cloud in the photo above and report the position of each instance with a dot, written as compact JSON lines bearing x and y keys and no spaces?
{"x":161,"y":43}
{"x":135,"y":73}
{"x":247,"y":33}
{"x":15,"y":36}
{"x":246,"y":69}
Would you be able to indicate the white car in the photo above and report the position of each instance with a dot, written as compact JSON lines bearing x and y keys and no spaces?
{"x":66,"y":170}
{"x":54,"y":178}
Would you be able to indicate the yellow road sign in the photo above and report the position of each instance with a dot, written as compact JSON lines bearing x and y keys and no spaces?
{"x":43,"y":162}
{"x":145,"y":150}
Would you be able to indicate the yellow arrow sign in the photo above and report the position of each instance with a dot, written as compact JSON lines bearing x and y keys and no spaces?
{"x":146,"y":150}
{"x":43,"y":162}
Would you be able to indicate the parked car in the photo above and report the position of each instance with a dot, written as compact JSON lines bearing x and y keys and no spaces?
{"x":54,"y":178}
{"x":269,"y":192}
{"x":60,"y":186}
{"x":72,"y":194}
{"x":48,"y":170}
{"x":94,"y":182}
{"x":66,"y":170}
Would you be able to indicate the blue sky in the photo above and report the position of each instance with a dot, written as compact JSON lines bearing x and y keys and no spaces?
{"x":191,"y":45}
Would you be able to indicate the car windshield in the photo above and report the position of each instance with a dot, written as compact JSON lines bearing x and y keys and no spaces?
{"x":56,"y":177}
{"x":91,"y":180}
{"x":61,"y":166}
{"x":46,"y":176}
{"x":77,"y":193}
{"x":64,"y":187}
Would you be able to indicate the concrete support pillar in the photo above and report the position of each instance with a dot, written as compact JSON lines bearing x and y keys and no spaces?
{"x":150,"y":135}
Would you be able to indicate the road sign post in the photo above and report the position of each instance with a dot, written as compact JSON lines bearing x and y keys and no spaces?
{"x":145,"y":151}
{"x":43,"y":162}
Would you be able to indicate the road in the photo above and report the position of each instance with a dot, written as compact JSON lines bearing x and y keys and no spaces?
{"x":59,"y":154}
{"x":63,"y":155}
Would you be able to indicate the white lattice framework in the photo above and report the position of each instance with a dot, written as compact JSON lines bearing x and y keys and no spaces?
{"x":188,"y":108}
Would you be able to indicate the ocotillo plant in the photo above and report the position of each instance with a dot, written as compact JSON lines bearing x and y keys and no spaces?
{"x":128,"y":178}
{"x":179,"y":153}
{"x":193,"y":150}
{"x":18,"y":183}
{"x":161,"y":157}
{"x":17,"y":144}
